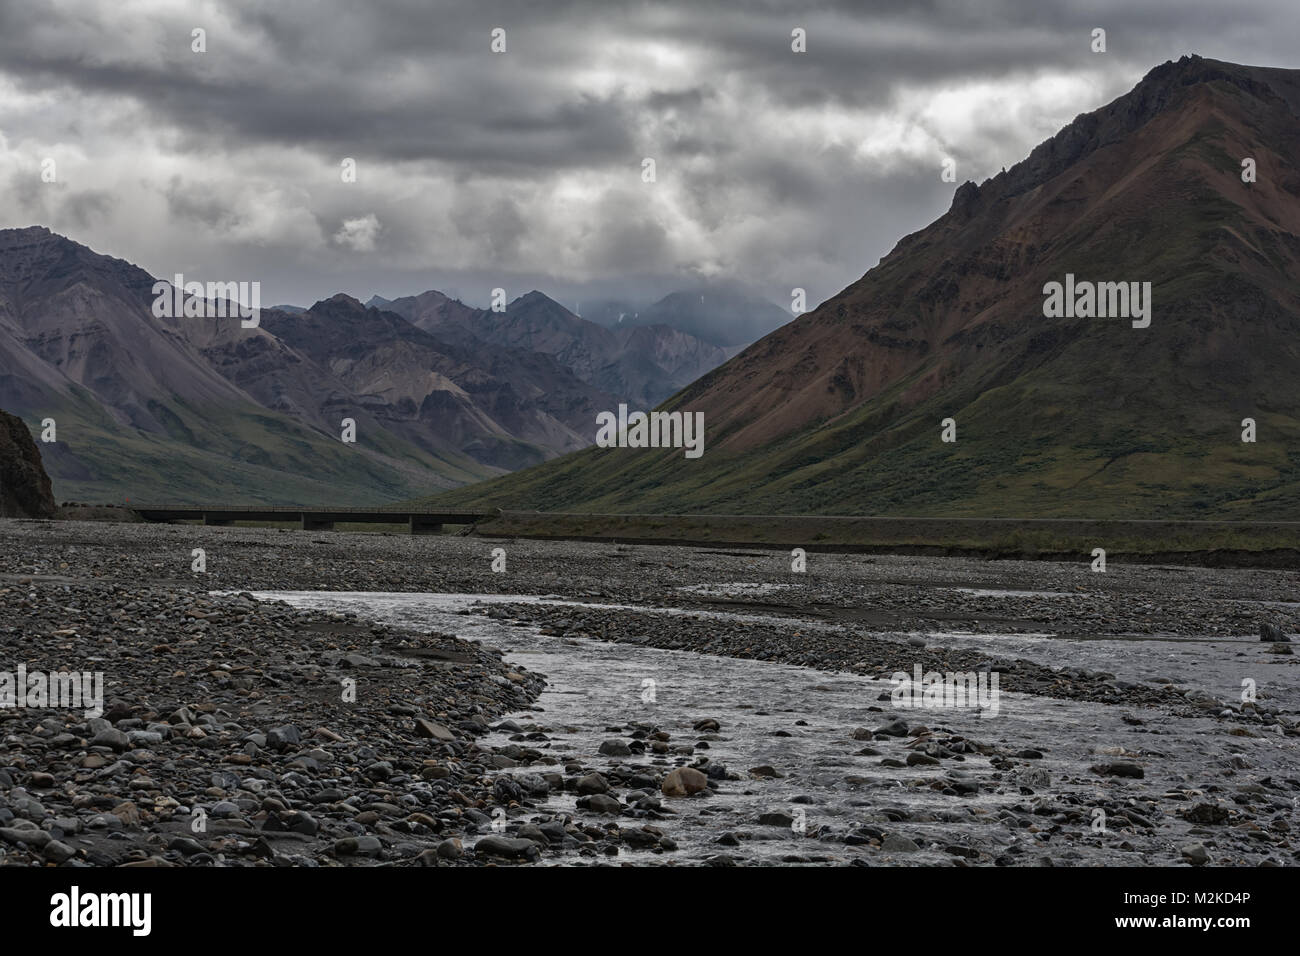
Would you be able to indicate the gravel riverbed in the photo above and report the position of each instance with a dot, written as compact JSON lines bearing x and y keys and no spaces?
{"x":632,"y":704}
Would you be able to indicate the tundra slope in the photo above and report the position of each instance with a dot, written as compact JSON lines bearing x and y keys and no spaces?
{"x":839,"y":411}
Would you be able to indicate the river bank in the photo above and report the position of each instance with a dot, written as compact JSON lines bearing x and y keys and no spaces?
{"x":1120,"y":694}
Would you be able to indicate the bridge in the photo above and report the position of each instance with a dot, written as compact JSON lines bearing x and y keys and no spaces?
{"x":310,"y":519}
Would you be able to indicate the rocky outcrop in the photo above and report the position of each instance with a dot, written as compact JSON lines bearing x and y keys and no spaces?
{"x":24,"y":486}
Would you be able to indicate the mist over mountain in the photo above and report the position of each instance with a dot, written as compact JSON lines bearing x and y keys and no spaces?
{"x":842,"y":410}
{"x":724,"y":314}
{"x":642,"y":365}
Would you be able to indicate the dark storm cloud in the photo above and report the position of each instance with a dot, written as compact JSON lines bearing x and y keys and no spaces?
{"x":775,"y":168}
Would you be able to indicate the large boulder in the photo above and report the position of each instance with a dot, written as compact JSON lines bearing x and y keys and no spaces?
{"x":24,"y":486}
{"x":683,"y":782}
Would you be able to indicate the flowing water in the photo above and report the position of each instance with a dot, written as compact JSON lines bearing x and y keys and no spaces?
{"x":796,"y":720}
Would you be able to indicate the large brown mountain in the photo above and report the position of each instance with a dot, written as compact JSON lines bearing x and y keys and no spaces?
{"x":204,"y":409}
{"x":840,"y":411}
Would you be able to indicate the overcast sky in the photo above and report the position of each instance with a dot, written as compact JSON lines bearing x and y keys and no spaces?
{"x":523,"y":169}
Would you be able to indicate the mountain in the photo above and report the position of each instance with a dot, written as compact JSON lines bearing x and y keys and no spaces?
{"x":640,"y":366}
{"x":204,"y":409}
{"x":840,"y":411}
{"x":721,"y":314}
{"x":725,"y":314}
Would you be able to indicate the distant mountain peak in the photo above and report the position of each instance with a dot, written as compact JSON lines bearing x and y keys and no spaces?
{"x":342,"y":299}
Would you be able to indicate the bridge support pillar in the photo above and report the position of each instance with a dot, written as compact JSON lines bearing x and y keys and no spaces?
{"x":216,"y":522}
{"x":316,"y":523}
{"x":424,"y":526}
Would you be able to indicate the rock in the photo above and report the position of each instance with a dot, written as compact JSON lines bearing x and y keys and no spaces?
{"x":600,"y":803}
{"x":776,"y":819}
{"x":59,"y":852}
{"x":112,"y":738}
{"x":1271,"y":633}
{"x":281,"y":738}
{"x":358,"y":846}
{"x":32,"y":837}
{"x":507,"y":847}
{"x":507,"y":791}
{"x":1206,"y":814}
{"x":432,"y":730}
{"x":593,"y":783}
{"x":707,"y":724}
{"x":897,"y":843}
{"x":25,"y":490}
{"x":185,"y":845}
{"x":615,"y":748}
{"x":895,"y":728}
{"x":534,"y":784}
{"x":1195,"y":854}
{"x":1119,"y":768}
{"x":683,"y":782}
{"x":640,"y":838}
{"x":918,"y":759}
{"x":765,"y":772}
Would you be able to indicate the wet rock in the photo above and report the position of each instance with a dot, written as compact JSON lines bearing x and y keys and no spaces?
{"x":600,"y":803}
{"x":683,"y":781}
{"x":895,"y":728}
{"x":897,"y":843}
{"x":507,"y":847}
{"x":358,"y":846}
{"x":1195,"y":854}
{"x":1119,"y":768}
{"x":592,"y":783}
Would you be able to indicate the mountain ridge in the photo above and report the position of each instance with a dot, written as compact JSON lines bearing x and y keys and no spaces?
{"x":840,"y":410}
{"x":148,"y":404}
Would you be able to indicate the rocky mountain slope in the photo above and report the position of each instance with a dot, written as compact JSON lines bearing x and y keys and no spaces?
{"x":840,"y":411}
{"x":206,"y":409}
{"x":24,"y":485}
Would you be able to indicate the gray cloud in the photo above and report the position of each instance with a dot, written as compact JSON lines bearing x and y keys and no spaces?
{"x":478,"y":169}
